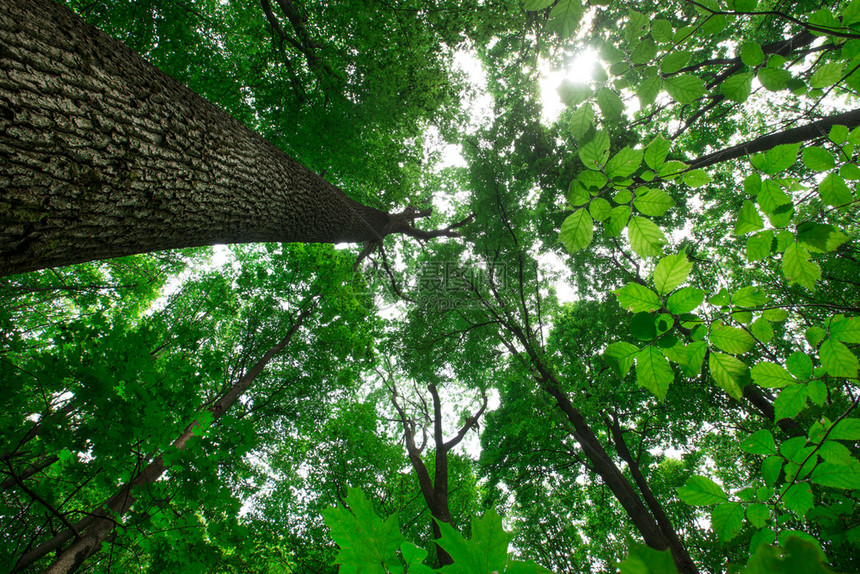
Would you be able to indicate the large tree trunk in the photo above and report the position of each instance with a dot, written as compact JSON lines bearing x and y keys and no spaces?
{"x":103,"y":155}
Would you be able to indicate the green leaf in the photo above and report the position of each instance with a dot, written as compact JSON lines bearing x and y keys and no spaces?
{"x":758,"y":515}
{"x":775,"y":203}
{"x":760,"y":442}
{"x":748,"y":219}
{"x":695,"y":355}
{"x":731,"y":339}
{"x":727,"y":519}
{"x":818,"y":159}
{"x":624,"y":163}
{"x":599,"y":208}
{"x":771,"y":376}
{"x":685,"y":300}
{"x":653,"y":371}
{"x":797,"y":267}
{"x":759,"y":245}
{"x":577,"y":231}
{"x":648,"y":90}
{"x":580,"y":120}
{"x":817,"y":392}
{"x":838,"y":134}
{"x":646,"y":238}
{"x":656,"y":152}
{"x":770,"y":469}
{"x":577,"y":195}
{"x":773,"y":79}
{"x":729,"y":373}
{"x":845,"y":330}
{"x":800,"y":365}
{"x":838,"y":360}
{"x":846,"y":429}
{"x":564,"y":17}
{"x":819,"y":237}
{"x":814,"y":335}
{"x":697,"y":178}
{"x":827,"y":75}
{"x":618,"y":220}
{"x":751,"y":54}
{"x":845,"y":476}
{"x":662,"y":30}
{"x":623,"y":196}
{"x":574,"y":93}
{"x":644,"y":51}
{"x":674,"y":61}
{"x":762,"y":330}
{"x":637,"y":298}
{"x":671,"y":169}
{"x":644,"y":560}
{"x":834,"y":191}
{"x":595,"y":153}
{"x":798,"y":498}
{"x":362,"y":536}
{"x":653,"y":202}
{"x":777,"y":159}
{"x":750,"y":296}
{"x":591,"y":179}
{"x":642,"y":326}
{"x":701,"y":491}
{"x":737,"y":87}
{"x":535,"y":5}
{"x":684,"y":89}
{"x":620,"y":356}
{"x":671,"y":271}
{"x":790,"y":402}
{"x":609,"y":102}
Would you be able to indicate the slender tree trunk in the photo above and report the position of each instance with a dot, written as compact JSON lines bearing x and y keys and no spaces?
{"x":90,"y":532}
{"x":103,"y":155}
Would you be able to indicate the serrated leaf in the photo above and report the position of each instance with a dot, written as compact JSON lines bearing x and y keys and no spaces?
{"x":623,"y":196}
{"x":751,"y":54}
{"x":837,"y":475}
{"x":798,"y":498}
{"x":696,"y":352}
{"x":485,"y":552}
{"x":646,"y":239}
{"x":591,"y":179}
{"x":701,"y":491}
{"x":762,"y":330}
{"x":624,"y":163}
{"x":790,"y":402}
{"x":777,"y":159}
{"x":770,"y":469}
{"x":580,"y":120}
{"x":535,"y":5}
{"x":684,"y":89}
{"x":834,"y":191}
{"x":656,"y":152}
{"x":595,"y":153}
{"x":731,"y":339}
{"x":599,"y":208}
{"x":748,"y":219}
{"x":609,"y":102}
{"x":574,"y":93}
{"x":797,"y":267}
{"x":727,"y":519}
{"x":671,"y":169}
{"x":618,"y":220}
{"x":648,"y":90}
{"x":817,"y":392}
{"x":653,"y":202}
{"x":729,"y":373}
{"x":685,"y":300}
{"x":819,"y":237}
{"x":827,"y":75}
{"x":758,"y":515}
{"x":642,"y":326}
{"x":644,"y":560}
{"x":674,"y":61}
{"x":671,"y":271}
{"x":644,"y":51}
{"x":737,"y":87}
{"x":773,"y":79}
{"x":818,"y":159}
{"x":750,"y":296}
{"x":814,"y":335}
{"x":653,"y":371}
{"x":564,"y":17}
{"x":846,"y":429}
{"x":760,"y":245}
{"x":620,"y":356}
{"x":577,"y":195}
{"x":845,"y":330}
{"x":696,"y":178}
{"x":771,"y":376}
{"x":577,"y":231}
{"x":838,"y":360}
{"x":760,"y":442}
{"x":800,"y":365}
{"x":838,"y":134}
{"x":637,"y":298}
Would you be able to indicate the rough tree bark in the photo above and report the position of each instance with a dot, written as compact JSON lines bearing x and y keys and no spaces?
{"x":103,"y":155}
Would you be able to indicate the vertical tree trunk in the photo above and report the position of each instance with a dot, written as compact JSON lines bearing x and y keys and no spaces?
{"x":103,"y":155}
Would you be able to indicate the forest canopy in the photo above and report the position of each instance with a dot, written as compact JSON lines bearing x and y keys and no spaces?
{"x":617,"y":335}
